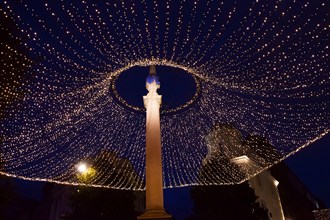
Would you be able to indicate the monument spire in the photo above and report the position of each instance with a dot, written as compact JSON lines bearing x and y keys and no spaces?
{"x":152,"y":70}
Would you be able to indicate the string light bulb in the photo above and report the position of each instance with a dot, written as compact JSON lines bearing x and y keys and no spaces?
{"x":261,"y":67}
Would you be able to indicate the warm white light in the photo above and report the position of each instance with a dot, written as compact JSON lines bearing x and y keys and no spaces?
{"x":268,"y":77}
{"x":241,"y":160}
{"x":82,"y":167}
{"x":276,"y":182}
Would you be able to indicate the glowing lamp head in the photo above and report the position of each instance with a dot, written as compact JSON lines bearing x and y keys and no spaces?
{"x":82,"y":168}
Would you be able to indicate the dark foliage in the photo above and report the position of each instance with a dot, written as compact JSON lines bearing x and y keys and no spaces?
{"x":226,"y":202}
{"x":229,"y":201}
{"x":104,"y":203}
{"x":7,"y":195}
{"x":101,"y":203}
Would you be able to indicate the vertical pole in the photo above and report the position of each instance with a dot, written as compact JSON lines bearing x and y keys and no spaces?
{"x":154,"y":174}
{"x":154,"y":177}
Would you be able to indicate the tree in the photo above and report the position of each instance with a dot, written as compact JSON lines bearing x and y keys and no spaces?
{"x":226,"y":202}
{"x":104,"y":203}
{"x":7,"y":194}
{"x":101,"y":203}
{"x":261,"y":150}
{"x":225,"y":142}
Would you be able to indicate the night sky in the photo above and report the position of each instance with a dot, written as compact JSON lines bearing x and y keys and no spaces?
{"x":312,"y":166}
{"x":261,"y":66}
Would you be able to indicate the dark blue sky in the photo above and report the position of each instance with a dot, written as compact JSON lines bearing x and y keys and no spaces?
{"x":312,"y":166}
{"x":177,"y":87}
{"x":234,"y":52}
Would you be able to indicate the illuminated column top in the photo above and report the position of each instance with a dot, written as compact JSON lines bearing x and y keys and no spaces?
{"x":152,"y":100}
{"x":152,"y":81}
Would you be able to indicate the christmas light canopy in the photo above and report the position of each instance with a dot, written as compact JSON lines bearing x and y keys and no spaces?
{"x":244,"y":85}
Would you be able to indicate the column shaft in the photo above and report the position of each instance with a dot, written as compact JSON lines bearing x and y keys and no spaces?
{"x":154,"y":176}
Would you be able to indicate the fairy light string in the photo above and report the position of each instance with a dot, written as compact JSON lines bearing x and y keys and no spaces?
{"x":261,"y":69}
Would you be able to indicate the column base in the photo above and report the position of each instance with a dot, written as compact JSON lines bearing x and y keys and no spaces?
{"x":155,"y":214}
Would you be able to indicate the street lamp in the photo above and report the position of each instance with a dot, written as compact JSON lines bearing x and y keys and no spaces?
{"x":82,"y":167}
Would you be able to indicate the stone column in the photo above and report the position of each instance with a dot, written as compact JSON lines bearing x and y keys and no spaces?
{"x":154,"y":174}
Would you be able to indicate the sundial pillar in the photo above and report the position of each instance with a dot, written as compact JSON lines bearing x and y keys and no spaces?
{"x":154,"y":175}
